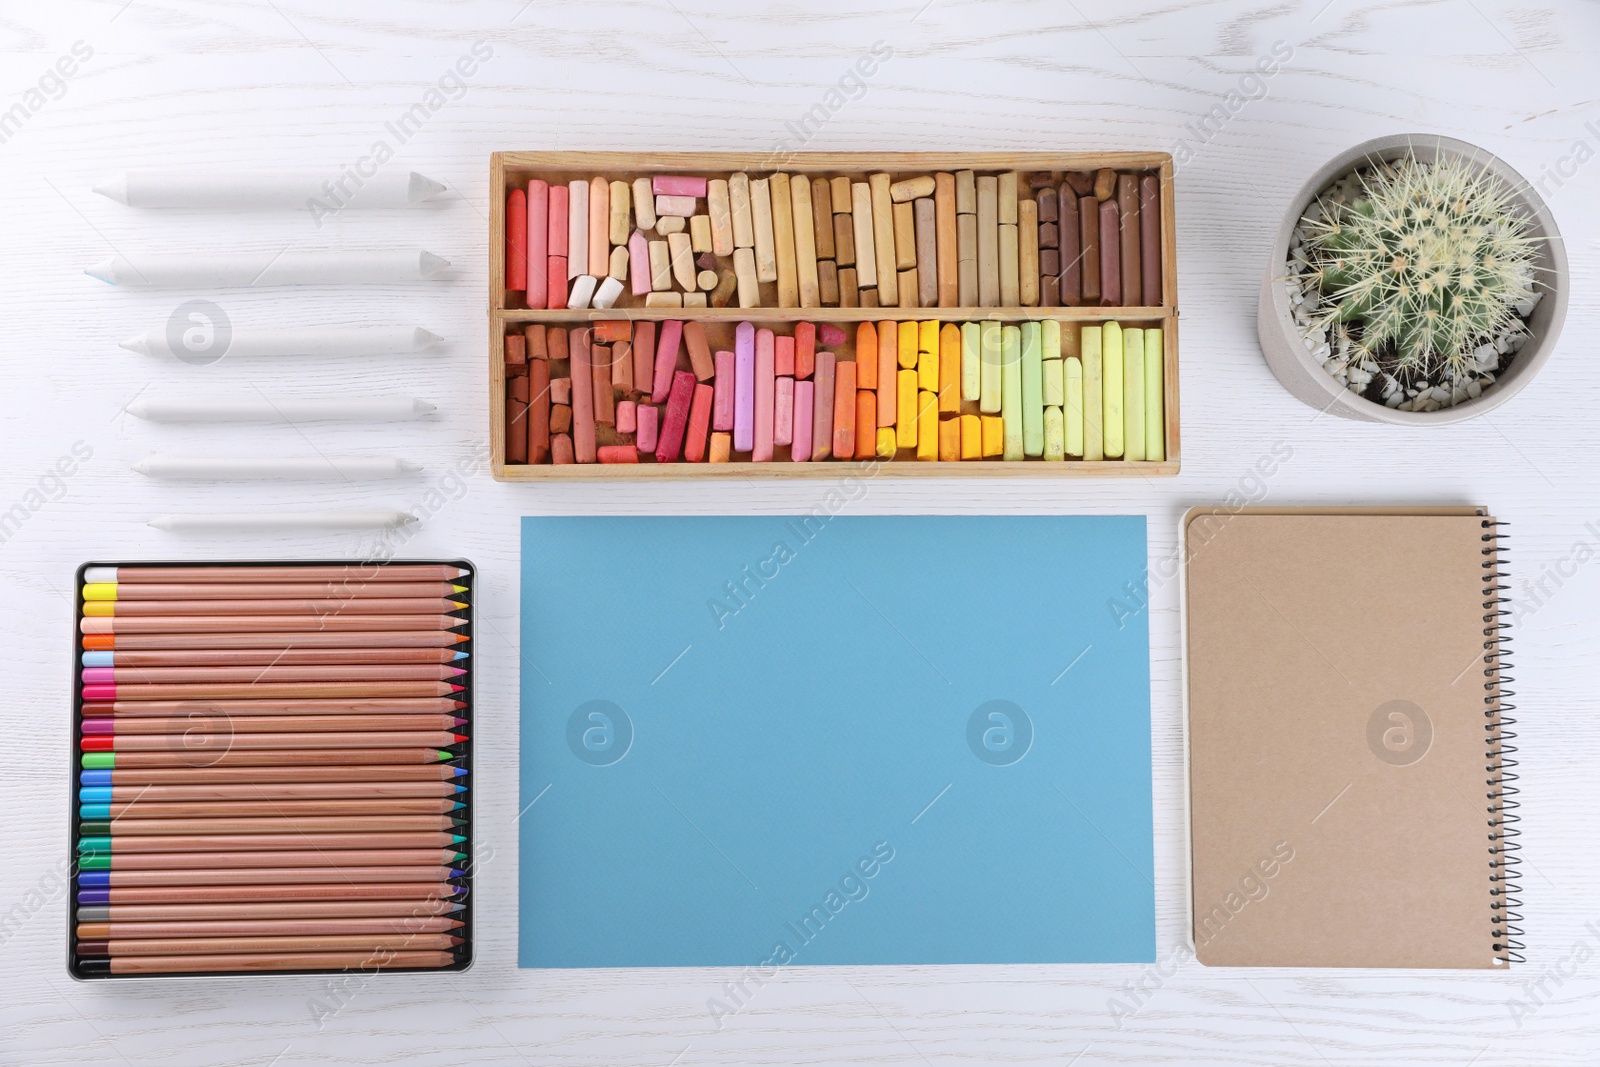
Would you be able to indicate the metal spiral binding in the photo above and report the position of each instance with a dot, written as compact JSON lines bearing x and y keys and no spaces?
{"x":1504,"y":889}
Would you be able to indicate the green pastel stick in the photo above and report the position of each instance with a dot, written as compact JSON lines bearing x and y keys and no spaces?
{"x":1050,"y":339}
{"x":1133,"y":395}
{"x":1072,"y":410}
{"x":1155,"y":391}
{"x":1033,"y":391}
{"x":989,"y":339}
{"x":1094,"y":441}
{"x":1055,"y":436}
{"x":1054,"y":383}
{"x":1011,"y":393}
{"x":970,"y":388}
{"x":1111,"y":388}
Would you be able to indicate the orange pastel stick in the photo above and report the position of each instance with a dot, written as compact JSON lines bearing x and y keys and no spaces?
{"x":867,"y":359}
{"x":888,"y":372}
{"x":844,"y":409}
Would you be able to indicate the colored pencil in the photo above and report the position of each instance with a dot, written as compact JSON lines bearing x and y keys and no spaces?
{"x":142,"y":824}
{"x":270,"y":673}
{"x":182,"y":863}
{"x":152,"y":851}
{"x":312,"y":909}
{"x":294,"y":927}
{"x":133,"y":609}
{"x":333,"y":792}
{"x":267,"y":640}
{"x":137,"y":776}
{"x":282,"y":961}
{"x":281,"y":657}
{"x":125,"y":591}
{"x":256,"y":624}
{"x":199,"y":737}
{"x":216,"y":708}
{"x":208,"y":946}
{"x":260,"y":892}
{"x":209,"y":760}
{"x":332,"y":572}
{"x":148,"y":810}
{"x":269,"y":690}
{"x":270,"y":724}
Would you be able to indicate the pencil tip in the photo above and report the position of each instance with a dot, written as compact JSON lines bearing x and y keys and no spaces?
{"x":142,"y":467}
{"x":161,"y":522}
{"x":139,"y":343}
{"x":426,"y":338}
{"x":115,"y":187}
{"x":420,"y":187}
{"x":431,"y":264}
{"x":454,"y":688}
{"x":103,"y":271}
{"x":406,"y":466}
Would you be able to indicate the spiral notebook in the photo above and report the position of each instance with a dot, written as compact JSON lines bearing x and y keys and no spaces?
{"x":1344,"y":702}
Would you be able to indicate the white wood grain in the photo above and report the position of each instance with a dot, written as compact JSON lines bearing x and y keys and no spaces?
{"x":223,"y":82}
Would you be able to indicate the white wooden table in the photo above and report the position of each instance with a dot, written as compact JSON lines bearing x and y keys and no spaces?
{"x":263,"y":82}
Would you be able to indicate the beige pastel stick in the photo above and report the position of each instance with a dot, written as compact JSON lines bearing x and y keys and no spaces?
{"x":1006,"y":186}
{"x":744,"y":228}
{"x":700,"y":232}
{"x":621,"y":213}
{"x":903,"y":192}
{"x":660,"y":267}
{"x":822,"y":217}
{"x":680,"y":250}
{"x":861,"y":215}
{"x":644,"y":203}
{"x":1028,"y":252}
{"x":663,"y":300}
{"x":619,"y":262}
{"x":944,"y":219}
{"x":720,"y":207}
{"x":967,"y":260}
{"x":841,"y":195}
{"x":599,"y":224}
{"x":966,"y":193}
{"x":1010,"y":291}
{"x":927,"y":254}
{"x":783,"y":240}
{"x":577,"y":228}
{"x":744,"y":273}
{"x":905,"y":236}
{"x":906,"y":288}
{"x":883,"y":239}
{"x":805,"y":242}
{"x":988,"y":242}
{"x":761,"y":214}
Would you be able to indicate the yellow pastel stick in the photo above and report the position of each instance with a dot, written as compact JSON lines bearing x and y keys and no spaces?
{"x":928,"y":336}
{"x":969,"y":361}
{"x":928,"y":370}
{"x":927,"y":426}
{"x":993,"y":435}
{"x":1054,"y":383}
{"x":1055,"y":437}
{"x":1111,"y":388}
{"x":1155,"y":391}
{"x":1133,"y":395}
{"x":1094,"y":440}
{"x":971,"y":437}
{"x":1050,"y":339}
{"x":1072,"y":410}
{"x":989,"y":370}
{"x":907,"y":347}
{"x":949,"y":440}
{"x":949,"y":369}
{"x":1031,"y":373}
{"x":886,"y":442}
{"x":906,"y":409}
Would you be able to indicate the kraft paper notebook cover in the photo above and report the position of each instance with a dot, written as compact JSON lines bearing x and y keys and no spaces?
{"x":1349,"y":777}
{"x":797,"y":740}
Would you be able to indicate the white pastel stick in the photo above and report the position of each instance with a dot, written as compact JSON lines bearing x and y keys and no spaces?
{"x":371,"y":409}
{"x":675,"y":206}
{"x":577,"y":228}
{"x":246,"y":269}
{"x":321,"y":192}
{"x":296,"y":341}
{"x":225,"y":521}
{"x":582,"y":291}
{"x":208,"y":468}
{"x":610,"y":291}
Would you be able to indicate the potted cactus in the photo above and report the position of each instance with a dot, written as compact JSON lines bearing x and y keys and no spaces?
{"x":1417,"y":280}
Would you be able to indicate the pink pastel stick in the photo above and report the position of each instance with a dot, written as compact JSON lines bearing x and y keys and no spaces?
{"x":694,"y":446}
{"x":783,"y":361}
{"x":669,"y":445}
{"x":722,"y":403}
{"x":666,"y":359}
{"x":677,"y":185}
{"x":822,"y":408}
{"x":538,"y":242}
{"x":744,"y":387}
{"x":583,"y":443}
{"x":644,"y":357}
{"x":639,"y":264}
{"x":648,"y":417}
{"x":766,"y":398}
{"x":783,"y":413}
{"x":557,"y":227}
{"x":800,"y":448}
{"x":627,"y":420}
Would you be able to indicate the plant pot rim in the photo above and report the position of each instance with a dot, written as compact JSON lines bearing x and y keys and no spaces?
{"x":1551,"y":310}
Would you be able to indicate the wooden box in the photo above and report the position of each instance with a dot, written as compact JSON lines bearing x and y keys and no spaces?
{"x":508,"y":313}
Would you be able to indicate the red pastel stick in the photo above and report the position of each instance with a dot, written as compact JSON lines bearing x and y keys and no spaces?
{"x":805,"y":349}
{"x":666,"y":360}
{"x":583,"y":444}
{"x":618,"y":454}
{"x":538,"y":245}
{"x":783,"y":357}
{"x":556,"y":228}
{"x":516,"y":223}
{"x":555,"y":295}
{"x":694,"y":446}
{"x":844,"y":409}
{"x":644,"y":360}
{"x":670,"y":442}
{"x":722,"y":403}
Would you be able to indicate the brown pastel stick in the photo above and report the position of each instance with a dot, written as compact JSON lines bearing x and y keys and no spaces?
{"x":516,"y":350}
{"x":700,"y":359}
{"x":644,"y":356}
{"x":927,"y":254}
{"x":1047,"y":203}
{"x":840,"y":194}
{"x":560,"y":418}
{"x":1049,"y":235}
{"x":1150,"y":239}
{"x":561,"y":449}
{"x":822,"y":218}
{"x":827,"y":282}
{"x":538,"y":411}
{"x":966,"y":260}
{"x":783,"y":241}
{"x":556,"y":343}
{"x":1071,"y":269}
{"x":906,"y":288}
{"x":883,"y":239}
{"x":1089,"y":254}
{"x":905,"y":236}
{"x":988,"y":241}
{"x":844,"y":239}
{"x":864,"y":241}
{"x":849,"y":294}
{"x":516,"y":422}
{"x":844,"y":409}
{"x":1110,"y":256}
{"x":537,"y":348}
{"x":944,"y":214}
{"x":605,"y":398}
{"x":1049,"y":278}
{"x":1105,"y":184}
{"x":1081,"y":183}
{"x":805,"y":241}
{"x":1028,"y":252}
{"x":869,"y":298}
{"x":561,"y":391}
{"x":1129,"y":238}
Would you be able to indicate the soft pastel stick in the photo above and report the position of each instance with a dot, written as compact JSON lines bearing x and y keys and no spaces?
{"x":805,"y":349}
{"x":1032,"y":374}
{"x":675,"y":423}
{"x":644,"y":204}
{"x":537,"y":245}
{"x":694,"y":445}
{"x":516,"y":223}
{"x":599,"y":225}
{"x":639,"y":263}
{"x":765,"y":398}
{"x":558,"y":228}
{"x":1110,"y":257}
{"x":993,"y":435}
{"x":906,"y":345}
{"x":844,"y":409}
{"x":822,"y":407}
{"x":1111,"y":387}
{"x":627,"y":416}
{"x":969,"y":361}
{"x":583,"y":441}
{"x":783,"y":357}
{"x":866,"y":442}
{"x":927,"y":426}
{"x":886,"y":442}
{"x":949,"y":440}
{"x":648,"y":418}
{"x":666,"y":360}
{"x":867,"y":361}
{"x":555,"y":296}
{"x":1011,"y":404}
{"x":949,"y":369}
{"x":674,"y":206}
{"x":744,"y":387}
{"x":906,"y":414}
{"x":644,"y":357}
{"x":1055,"y":383}
{"x":928,"y":365}
{"x":989,"y":371}
{"x":800,"y":447}
{"x":1133,"y":394}
{"x":888,"y":373}
{"x":928,"y":336}
{"x":1155,"y":385}
{"x":783,"y":412}
{"x":677,"y":185}
{"x":577,"y":232}
{"x":971,"y":437}
{"x":1072,"y":409}
{"x":722,"y":403}
{"x":1050,"y":339}
{"x":1094,"y":440}
{"x":1055,"y":435}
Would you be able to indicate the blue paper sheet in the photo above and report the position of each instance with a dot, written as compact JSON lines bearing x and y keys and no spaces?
{"x":835,"y":740}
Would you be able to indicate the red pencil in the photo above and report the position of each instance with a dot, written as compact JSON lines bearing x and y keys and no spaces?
{"x":187,"y":741}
